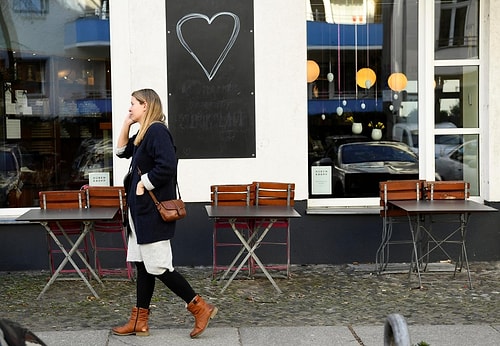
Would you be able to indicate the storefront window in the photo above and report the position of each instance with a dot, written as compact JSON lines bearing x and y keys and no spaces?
{"x":457,"y":29}
{"x":55,"y":105}
{"x":460,"y":162}
{"x":362,"y":75}
{"x":456,"y":101}
{"x":456,"y":96}
{"x":363,"y":101}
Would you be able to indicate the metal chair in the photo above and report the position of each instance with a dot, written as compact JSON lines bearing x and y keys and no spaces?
{"x":223,"y":236}
{"x":439,"y":190}
{"x":394,"y":190}
{"x":109,"y":196}
{"x":275,"y":194}
{"x":66,"y":199}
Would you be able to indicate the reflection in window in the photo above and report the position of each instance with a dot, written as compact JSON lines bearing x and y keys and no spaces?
{"x":56,"y":126}
{"x":457,"y":96}
{"x":31,"y":6}
{"x":375,"y":153}
{"x":366,"y":51}
{"x":461,"y":162}
{"x":457,"y":29}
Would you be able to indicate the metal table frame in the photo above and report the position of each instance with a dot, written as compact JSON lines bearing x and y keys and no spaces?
{"x":418,"y":210}
{"x":84,"y":215}
{"x":269,"y":214}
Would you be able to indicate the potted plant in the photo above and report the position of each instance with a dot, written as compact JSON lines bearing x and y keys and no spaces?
{"x":356,"y":128}
{"x":376,"y":129}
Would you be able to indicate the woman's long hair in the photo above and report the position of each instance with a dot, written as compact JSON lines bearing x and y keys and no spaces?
{"x":154,"y":111}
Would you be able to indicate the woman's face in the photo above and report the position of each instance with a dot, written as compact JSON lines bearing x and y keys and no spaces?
{"x":137,"y":110}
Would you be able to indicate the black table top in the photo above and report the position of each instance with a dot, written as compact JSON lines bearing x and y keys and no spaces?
{"x":441,"y":206}
{"x":79,"y":214}
{"x":251,"y":212}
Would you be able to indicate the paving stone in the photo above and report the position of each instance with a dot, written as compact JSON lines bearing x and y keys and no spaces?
{"x":314,"y":295}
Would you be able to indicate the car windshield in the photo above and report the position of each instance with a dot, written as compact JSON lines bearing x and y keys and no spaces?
{"x":375,"y":153}
{"x":449,"y":139}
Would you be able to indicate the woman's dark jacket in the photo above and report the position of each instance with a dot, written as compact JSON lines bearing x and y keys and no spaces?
{"x":155,"y":156}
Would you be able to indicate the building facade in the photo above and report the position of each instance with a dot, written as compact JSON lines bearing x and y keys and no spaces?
{"x":65,"y":99}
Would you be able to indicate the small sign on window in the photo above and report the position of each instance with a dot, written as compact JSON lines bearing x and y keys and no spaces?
{"x":321,"y":180}
{"x":99,"y":179}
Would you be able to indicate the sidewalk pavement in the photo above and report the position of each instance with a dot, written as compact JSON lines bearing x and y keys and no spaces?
{"x":320,"y":305}
{"x":433,"y":335}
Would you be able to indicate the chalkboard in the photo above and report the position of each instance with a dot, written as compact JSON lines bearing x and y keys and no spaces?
{"x":210,"y":75}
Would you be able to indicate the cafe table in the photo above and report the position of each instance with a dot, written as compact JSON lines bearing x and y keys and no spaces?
{"x":84,"y":215}
{"x":421,"y":214}
{"x":264,"y":214}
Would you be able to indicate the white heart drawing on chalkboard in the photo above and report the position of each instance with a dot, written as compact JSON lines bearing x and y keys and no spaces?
{"x":227,"y":48}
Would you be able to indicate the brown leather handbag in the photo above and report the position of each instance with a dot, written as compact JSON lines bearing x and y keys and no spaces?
{"x":171,"y":210}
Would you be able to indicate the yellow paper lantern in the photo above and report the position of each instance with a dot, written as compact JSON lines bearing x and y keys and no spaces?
{"x":366,"y":77}
{"x":312,"y":71}
{"x":397,"y":81}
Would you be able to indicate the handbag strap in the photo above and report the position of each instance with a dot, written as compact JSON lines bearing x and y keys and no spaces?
{"x":153,"y":197}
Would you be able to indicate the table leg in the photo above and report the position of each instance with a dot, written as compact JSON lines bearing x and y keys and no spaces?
{"x":68,"y":257}
{"x":381,"y":258}
{"x":87,"y":225}
{"x":257,"y":259}
{"x":251,"y":252}
{"x":463,"y":231}
{"x":438,"y":243}
{"x":239,"y":254}
{"x":414,"y":256}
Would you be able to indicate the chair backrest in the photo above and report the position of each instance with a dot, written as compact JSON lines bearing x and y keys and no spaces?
{"x":447,"y":190}
{"x":274,"y":193}
{"x":64,"y":199}
{"x":398,"y":190}
{"x":106,"y":196}
{"x":234,"y":194}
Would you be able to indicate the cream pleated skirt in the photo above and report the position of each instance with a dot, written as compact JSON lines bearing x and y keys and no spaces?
{"x":157,"y":257}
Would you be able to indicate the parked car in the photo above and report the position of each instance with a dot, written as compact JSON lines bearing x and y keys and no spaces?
{"x":408,"y":134}
{"x":461,"y":163}
{"x":334,"y":142}
{"x":329,"y":145}
{"x":359,"y":167}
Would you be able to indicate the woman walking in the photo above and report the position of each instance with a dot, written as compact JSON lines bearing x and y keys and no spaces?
{"x":153,"y":167}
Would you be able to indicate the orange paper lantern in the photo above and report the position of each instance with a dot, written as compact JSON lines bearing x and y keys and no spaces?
{"x":366,"y":77}
{"x":312,"y":71}
{"x":397,"y":81}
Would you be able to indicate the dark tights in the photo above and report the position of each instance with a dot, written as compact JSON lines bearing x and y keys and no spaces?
{"x":173,"y":280}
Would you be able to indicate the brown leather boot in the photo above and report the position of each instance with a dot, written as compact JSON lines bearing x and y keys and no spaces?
{"x":138,"y":323}
{"x":202,"y":313}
